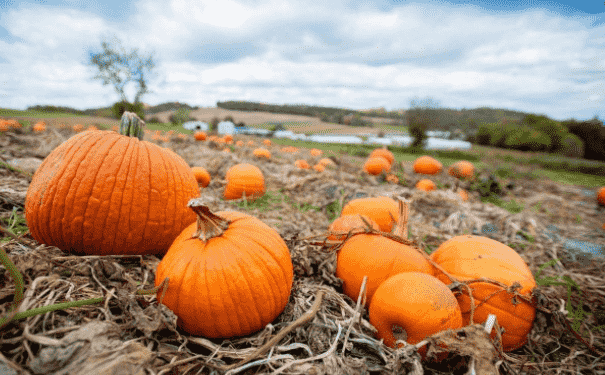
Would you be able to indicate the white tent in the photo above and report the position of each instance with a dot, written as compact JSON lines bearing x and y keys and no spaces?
{"x":226,"y":127}
{"x":196,"y":125}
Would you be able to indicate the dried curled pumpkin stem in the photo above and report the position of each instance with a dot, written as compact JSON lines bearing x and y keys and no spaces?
{"x":209,"y":225}
{"x":132,"y":125}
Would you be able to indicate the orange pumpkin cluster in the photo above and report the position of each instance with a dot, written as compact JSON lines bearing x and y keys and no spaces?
{"x":6,"y":125}
{"x":379,"y":161}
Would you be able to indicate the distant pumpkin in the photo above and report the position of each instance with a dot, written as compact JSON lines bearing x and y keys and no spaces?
{"x":376,"y":165}
{"x":383,"y":153}
{"x":462,"y":169}
{"x":427,"y":165}
{"x":601,"y":196}
{"x":426,"y":185}
{"x":302,"y":164}
{"x":201,"y":175}
{"x":392,"y":178}
{"x":199,"y":136}
{"x":244,"y":179}
{"x":262,"y":153}
{"x":319,"y":167}
{"x":316,"y":152}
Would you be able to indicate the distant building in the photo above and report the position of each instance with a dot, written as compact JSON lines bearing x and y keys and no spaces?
{"x":196,"y":125}
{"x":226,"y":127}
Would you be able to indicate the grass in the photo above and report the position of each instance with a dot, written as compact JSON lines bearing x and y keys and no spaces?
{"x":5,"y":112}
{"x":14,"y":224}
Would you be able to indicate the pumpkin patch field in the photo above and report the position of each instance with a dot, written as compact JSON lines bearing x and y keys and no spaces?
{"x":130,"y":251}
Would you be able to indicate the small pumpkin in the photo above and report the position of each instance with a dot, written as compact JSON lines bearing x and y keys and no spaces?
{"x":319,"y":167}
{"x":104,"y":193}
{"x":239,"y":143}
{"x":470,"y":257}
{"x":412,"y":306}
{"x":377,"y":257}
{"x":601,"y":196}
{"x":250,"y":143}
{"x":344,"y":224}
{"x":229,"y":274}
{"x":199,"y":136}
{"x":244,"y":179}
{"x":462,"y":169}
{"x":463,"y":195}
{"x":4,"y":126}
{"x":384,"y":211}
{"x":376,"y":165}
{"x":267,"y":142}
{"x":262,"y":153}
{"x":316,"y":152}
{"x":228,"y":138}
{"x":302,"y":164}
{"x":426,"y":185}
{"x":427,"y":165}
{"x":39,"y":127}
{"x":327,"y":162}
{"x":201,"y":175}
{"x":392,"y":178}
{"x":383,"y":153}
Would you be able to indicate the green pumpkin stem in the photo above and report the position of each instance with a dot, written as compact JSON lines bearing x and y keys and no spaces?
{"x":131,"y":125}
{"x":209,"y":225}
{"x":400,"y":228}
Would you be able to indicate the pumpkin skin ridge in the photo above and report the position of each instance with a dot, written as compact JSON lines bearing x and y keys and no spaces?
{"x":44,"y":190}
{"x":98,"y":235}
{"x":48,"y":214}
{"x":172,"y":221}
{"x":74,"y":200}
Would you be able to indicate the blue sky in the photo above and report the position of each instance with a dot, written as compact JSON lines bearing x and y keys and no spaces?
{"x":542,"y":57}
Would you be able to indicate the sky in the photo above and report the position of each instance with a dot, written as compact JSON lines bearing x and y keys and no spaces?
{"x":543,"y":57}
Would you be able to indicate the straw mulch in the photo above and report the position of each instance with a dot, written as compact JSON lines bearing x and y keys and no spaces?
{"x":321,"y":331}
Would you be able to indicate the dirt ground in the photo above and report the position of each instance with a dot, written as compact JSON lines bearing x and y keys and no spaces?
{"x":135,"y":334}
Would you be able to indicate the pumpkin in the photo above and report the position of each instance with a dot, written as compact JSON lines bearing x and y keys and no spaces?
{"x":244,"y":179}
{"x":78,"y":128}
{"x":201,"y":175}
{"x":384,"y":211}
{"x":250,"y":143}
{"x":469,"y":257}
{"x":377,"y":257}
{"x":376,"y":165}
{"x":39,"y":127}
{"x":199,"y":136}
{"x":239,"y":143}
{"x":392,"y":178}
{"x":383,"y":153}
{"x":463,"y":195}
{"x":302,"y":164}
{"x":344,"y":224}
{"x":229,"y":274}
{"x":412,"y":306}
{"x":104,"y":193}
{"x":92,"y":127}
{"x":13,"y":123}
{"x":4,"y":126}
{"x":601,"y":196}
{"x":462,"y":169}
{"x":267,"y":142}
{"x":316,"y":152}
{"x":319,"y":167}
{"x":326,"y":162}
{"x":228,"y":138}
{"x":226,"y":149}
{"x":427,"y":165}
{"x":426,"y":185}
{"x":262,"y":153}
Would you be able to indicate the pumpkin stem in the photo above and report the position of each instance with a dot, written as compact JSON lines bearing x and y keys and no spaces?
{"x":132,"y":125}
{"x":209,"y":225}
{"x":401,"y":227}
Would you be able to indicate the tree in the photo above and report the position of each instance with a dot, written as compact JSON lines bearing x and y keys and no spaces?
{"x":119,"y":67}
{"x":421,"y":117}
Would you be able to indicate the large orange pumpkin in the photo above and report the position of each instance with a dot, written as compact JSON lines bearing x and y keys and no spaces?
{"x":384,"y":153}
{"x":384,"y":211}
{"x":244,"y":179}
{"x":104,"y":193}
{"x":229,"y":274}
{"x":462,"y":169}
{"x":377,"y":257}
{"x":302,"y":164}
{"x":344,"y":224}
{"x":201,"y":175}
{"x":469,"y":257}
{"x":376,"y":165}
{"x":601,"y":196}
{"x":427,"y":165}
{"x":411,"y":306}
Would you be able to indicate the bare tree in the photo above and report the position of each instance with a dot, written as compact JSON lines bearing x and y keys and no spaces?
{"x":119,"y":67}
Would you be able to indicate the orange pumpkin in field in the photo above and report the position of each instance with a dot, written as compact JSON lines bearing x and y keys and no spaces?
{"x":469,"y":257}
{"x":344,"y":224}
{"x":376,"y":165}
{"x":267,"y":142}
{"x":201,"y":175}
{"x":392,"y":178}
{"x":4,"y":125}
{"x":427,"y":165}
{"x":199,"y":136}
{"x":244,"y":179}
{"x":319,"y":167}
{"x":601,"y":196}
{"x":426,"y":185}
{"x":384,"y":211}
{"x":411,"y":306}
{"x":462,"y":169}
{"x":316,"y":152}
{"x":383,"y":153}
{"x":463,"y":194}
{"x":262,"y":153}
{"x":302,"y":164}
{"x":39,"y":127}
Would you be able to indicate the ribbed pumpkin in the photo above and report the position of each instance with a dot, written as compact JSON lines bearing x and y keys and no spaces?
{"x":384,"y":153}
{"x":344,"y":224}
{"x":199,"y":136}
{"x":601,"y":196}
{"x":302,"y":164}
{"x":462,"y":169}
{"x":376,"y":165}
{"x":262,"y":153}
{"x":229,"y":274}
{"x":244,"y":179}
{"x":411,"y":306}
{"x":201,"y":175}
{"x":104,"y":193}
{"x":384,"y":211}
{"x":377,"y":257}
{"x":469,"y":257}
{"x":316,"y":152}
{"x":426,"y":185}
{"x":427,"y":165}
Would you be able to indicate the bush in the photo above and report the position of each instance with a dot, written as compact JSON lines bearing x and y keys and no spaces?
{"x":214,"y":124}
{"x":572,"y":146}
{"x":154,"y":120}
{"x":180,"y":116}
{"x":119,"y":108}
{"x":229,"y":118}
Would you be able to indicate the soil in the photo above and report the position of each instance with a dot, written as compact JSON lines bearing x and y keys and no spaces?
{"x":140,"y":336}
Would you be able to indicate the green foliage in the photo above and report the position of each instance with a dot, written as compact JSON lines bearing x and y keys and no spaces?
{"x":180,"y":116}
{"x":554,"y":130}
{"x":14,"y":224}
{"x":54,"y":109}
{"x":214,"y":124}
{"x":229,"y":118}
{"x":527,"y":139}
{"x":119,"y":108}
{"x":592,"y":134}
{"x":572,"y":146}
{"x":359,"y":121}
{"x":153,"y":120}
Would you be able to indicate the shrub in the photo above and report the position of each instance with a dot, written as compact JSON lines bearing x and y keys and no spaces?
{"x":572,"y":146}
{"x":229,"y":118}
{"x":180,"y":116}
{"x":154,"y":120}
